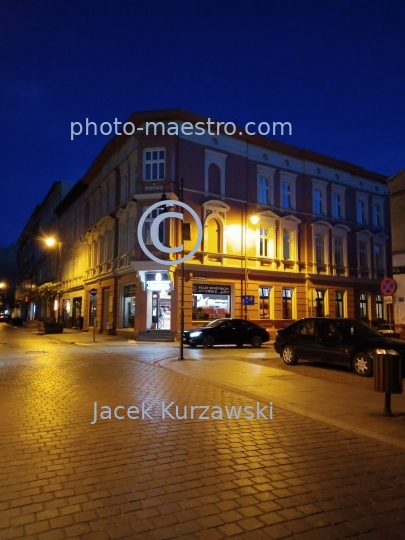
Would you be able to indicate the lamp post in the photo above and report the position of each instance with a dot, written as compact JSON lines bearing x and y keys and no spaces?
{"x":254,"y":219}
{"x":182,"y":277}
{"x":51,"y":241}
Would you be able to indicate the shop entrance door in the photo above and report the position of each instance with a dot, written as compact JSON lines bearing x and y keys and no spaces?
{"x":161,"y":304}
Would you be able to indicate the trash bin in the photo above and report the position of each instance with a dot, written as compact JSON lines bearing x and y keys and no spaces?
{"x":109,"y":327}
{"x":387,"y":372}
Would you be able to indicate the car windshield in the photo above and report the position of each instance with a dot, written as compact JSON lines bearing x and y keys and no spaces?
{"x":356,"y":328}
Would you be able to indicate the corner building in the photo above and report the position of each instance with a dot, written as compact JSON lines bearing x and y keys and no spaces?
{"x":301,"y":233}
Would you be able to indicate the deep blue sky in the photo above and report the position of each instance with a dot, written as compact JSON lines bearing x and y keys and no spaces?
{"x":335,"y":70}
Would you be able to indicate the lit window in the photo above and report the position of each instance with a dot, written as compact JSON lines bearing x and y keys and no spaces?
{"x":379,"y":306}
{"x":338,"y":251}
{"x":338,"y":304}
{"x":363,"y":305}
{"x":287,"y":244}
{"x":264,"y":293}
{"x":287,"y":303}
{"x":154,"y":164}
{"x":264,"y":242}
{"x":319,"y":249}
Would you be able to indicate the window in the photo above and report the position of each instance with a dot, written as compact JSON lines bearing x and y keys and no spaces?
{"x":129,"y":306}
{"x":154,"y":164}
{"x":361,"y":208}
{"x":287,"y":190}
{"x":264,"y":293}
{"x":318,"y":202}
{"x":363,"y":255}
{"x":286,"y":195}
{"x":146,"y":232}
{"x":338,"y":251}
{"x":264,"y":190}
{"x":379,"y":306}
{"x":264,"y":242}
{"x":319,"y":249}
{"x":378,"y":213}
{"x":338,"y":201}
{"x":122,"y":243}
{"x":339,"y":304}
{"x":287,"y":251}
{"x":378,"y":257}
{"x":360,"y":212}
{"x":363,"y":306}
{"x":287,"y":303}
{"x":211,"y":302}
{"x":124,"y":187}
{"x":336,"y":205}
{"x":320,"y":303}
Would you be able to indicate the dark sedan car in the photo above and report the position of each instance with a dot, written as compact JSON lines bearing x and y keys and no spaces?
{"x":347,"y":342}
{"x":227,"y":332}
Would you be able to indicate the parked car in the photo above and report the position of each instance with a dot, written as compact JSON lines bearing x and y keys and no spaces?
{"x":347,"y":342}
{"x":226,"y":332}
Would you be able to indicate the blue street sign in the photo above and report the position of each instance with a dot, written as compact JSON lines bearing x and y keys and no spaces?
{"x":248,"y":300}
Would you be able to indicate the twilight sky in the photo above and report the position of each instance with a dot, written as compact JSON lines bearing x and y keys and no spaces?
{"x":335,"y":70}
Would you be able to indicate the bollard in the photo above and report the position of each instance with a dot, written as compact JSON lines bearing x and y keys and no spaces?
{"x":387,"y":375}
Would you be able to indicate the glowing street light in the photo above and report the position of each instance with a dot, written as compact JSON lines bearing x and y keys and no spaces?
{"x":50,"y":241}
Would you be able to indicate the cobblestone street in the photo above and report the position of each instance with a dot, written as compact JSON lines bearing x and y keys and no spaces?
{"x":63,"y":477}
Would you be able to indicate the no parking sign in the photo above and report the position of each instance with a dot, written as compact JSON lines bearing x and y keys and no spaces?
{"x":388,"y":286}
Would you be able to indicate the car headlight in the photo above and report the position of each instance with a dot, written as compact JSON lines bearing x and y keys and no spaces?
{"x":195,"y":334}
{"x":391,"y":352}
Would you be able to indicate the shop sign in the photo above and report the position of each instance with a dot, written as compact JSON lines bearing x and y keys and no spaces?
{"x":211,"y":289}
{"x":162,"y":285}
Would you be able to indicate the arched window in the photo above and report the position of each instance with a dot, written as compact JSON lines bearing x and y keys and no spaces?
{"x":214,"y":179}
{"x":213,"y":236}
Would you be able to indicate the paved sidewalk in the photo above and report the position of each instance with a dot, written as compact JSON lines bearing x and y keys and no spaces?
{"x":355,"y":409}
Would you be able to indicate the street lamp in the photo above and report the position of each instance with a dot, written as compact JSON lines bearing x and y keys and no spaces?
{"x":51,"y":241}
{"x":182,"y":278}
{"x":254,"y":219}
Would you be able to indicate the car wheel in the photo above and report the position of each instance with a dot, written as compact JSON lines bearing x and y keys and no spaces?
{"x":362,"y":364}
{"x":239,"y":344}
{"x":288,"y":355}
{"x":257,"y":341}
{"x":207,"y":341}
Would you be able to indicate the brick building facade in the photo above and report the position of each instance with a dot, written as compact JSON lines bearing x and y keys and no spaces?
{"x":303,"y":233}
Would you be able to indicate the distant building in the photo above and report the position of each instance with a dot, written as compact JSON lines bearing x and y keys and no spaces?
{"x":37,"y":263}
{"x":319,"y":243}
{"x":397,"y":199}
{"x":8,"y":277}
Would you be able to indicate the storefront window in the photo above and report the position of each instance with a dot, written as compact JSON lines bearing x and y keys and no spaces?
{"x":211,"y":302}
{"x":379,"y":306}
{"x":129,"y":306}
